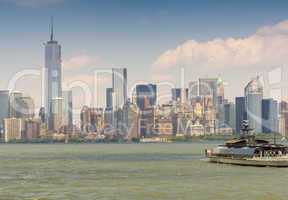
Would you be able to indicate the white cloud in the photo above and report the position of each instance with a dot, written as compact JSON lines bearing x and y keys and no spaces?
{"x":268,"y":46}
{"x":78,"y":62}
{"x":33,"y":3}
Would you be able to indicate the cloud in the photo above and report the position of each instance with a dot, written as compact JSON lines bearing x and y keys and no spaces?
{"x":267,"y":46}
{"x":33,"y":3}
{"x":79,"y":61}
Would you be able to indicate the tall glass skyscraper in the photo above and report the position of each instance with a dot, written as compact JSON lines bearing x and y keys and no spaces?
{"x":269,"y":116}
{"x":119,"y":85}
{"x":146,"y":94}
{"x":67,"y":108}
{"x":53,"y":74}
{"x":253,"y":101}
{"x":109,"y":97}
{"x":241,"y":114}
{"x":4,"y":108}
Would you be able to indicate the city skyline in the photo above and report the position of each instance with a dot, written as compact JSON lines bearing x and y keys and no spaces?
{"x":80,"y":57}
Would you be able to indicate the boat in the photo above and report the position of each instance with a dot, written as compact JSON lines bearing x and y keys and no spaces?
{"x":249,"y":151}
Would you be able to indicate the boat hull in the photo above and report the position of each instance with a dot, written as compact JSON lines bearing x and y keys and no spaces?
{"x":250,"y":162}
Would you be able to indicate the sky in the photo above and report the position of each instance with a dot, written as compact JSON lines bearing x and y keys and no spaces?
{"x":163,"y":41}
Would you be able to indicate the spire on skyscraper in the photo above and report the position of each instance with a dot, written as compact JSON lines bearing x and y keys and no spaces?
{"x":52,"y":30}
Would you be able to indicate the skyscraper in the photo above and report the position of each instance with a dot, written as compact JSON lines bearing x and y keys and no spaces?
{"x":109,"y":99}
{"x":67,"y":108}
{"x":229,"y":115}
{"x":209,"y":87}
{"x":53,"y":75}
{"x":240,"y":112}
{"x":146,"y":94}
{"x":253,"y":101}
{"x":4,"y":108}
{"x":119,"y":85}
{"x":57,"y":113}
{"x":269,"y":116}
{"x":26,"y":107}
{"x":14,"y":104}
{"x":179,"y":94}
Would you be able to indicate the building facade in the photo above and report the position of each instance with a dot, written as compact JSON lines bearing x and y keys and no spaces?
{"x":53,"y":75}
{"x":4,"y":108}
{"x":253,"y":101}
{"x":270,"y":122}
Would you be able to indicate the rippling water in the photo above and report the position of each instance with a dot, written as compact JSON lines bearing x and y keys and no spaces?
{"x":131,"y":171}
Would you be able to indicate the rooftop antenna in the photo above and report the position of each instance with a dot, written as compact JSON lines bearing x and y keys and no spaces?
{"x":52,"y":30}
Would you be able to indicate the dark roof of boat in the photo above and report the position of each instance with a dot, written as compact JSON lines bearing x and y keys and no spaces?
{"x":243,"y":141}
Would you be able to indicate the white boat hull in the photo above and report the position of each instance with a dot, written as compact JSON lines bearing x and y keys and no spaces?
{"x":258,"y":162}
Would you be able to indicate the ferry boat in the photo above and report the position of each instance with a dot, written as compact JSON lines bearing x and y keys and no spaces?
{"x":249,"y":151}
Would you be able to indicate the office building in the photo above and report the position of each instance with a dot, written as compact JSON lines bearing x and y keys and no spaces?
{"x":253,"y":100}
{"x":26,"y":107}
{"x":57,"y":113}
{"x":67,"y":109}
{"x":146,"y":95}
{"x":240,"y":109}
{"x":270,"y":122}
{"x":32,"y":129}
{"x":109,"y":97}
{"x":4,"y":108}
{"x":53,"y":76}
{"x":179,"y":95}
{"x":229,"y":115}
{"x":209,"y":87}
{"x":14,"y":104}
{"x":13,"y":128}
{"x":119,"y":86}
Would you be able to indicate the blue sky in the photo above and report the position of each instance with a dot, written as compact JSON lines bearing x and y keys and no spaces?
{"x":129,"y":33}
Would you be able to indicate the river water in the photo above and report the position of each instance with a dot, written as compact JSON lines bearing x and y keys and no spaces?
{"x":130,"y":171}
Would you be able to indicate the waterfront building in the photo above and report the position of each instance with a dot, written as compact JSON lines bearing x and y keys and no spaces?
{"x":92,"y":120}
{"x":163,"y":127}
{"x":146,"y":96}
{"x":67,"y":109}
{"x":53,"y":76}
{"x":14,"y":104}
{"x":240,"y":109}
{"x":26,"y":107}
{"x":197,"y":129}
{"x":13,"y":128}
{"x":4,"y":108}
{"x":253,"y":100}
{"x":32,"y":129}
{"x":270,"y":122}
